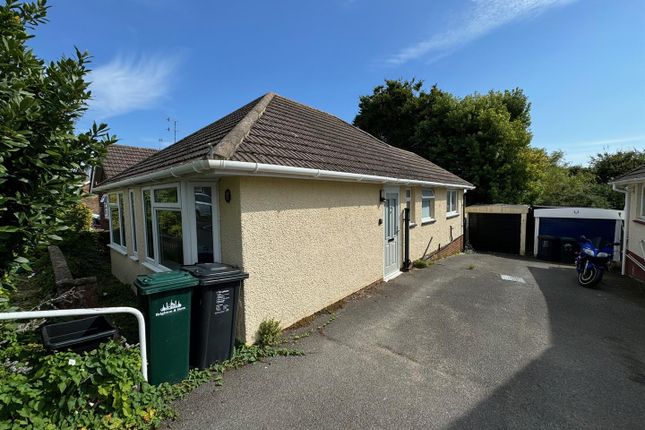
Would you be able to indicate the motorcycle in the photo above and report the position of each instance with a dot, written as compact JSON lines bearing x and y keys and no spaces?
{"x":592,"y":261}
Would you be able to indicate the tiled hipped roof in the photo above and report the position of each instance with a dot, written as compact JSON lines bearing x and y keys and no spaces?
{"x":278,"y":131}
{"x":120,"y":157}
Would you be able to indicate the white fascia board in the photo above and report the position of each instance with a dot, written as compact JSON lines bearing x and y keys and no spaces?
{"x":626,"y":182}
{"x":589,"y":213}
{"x":229,"y":167}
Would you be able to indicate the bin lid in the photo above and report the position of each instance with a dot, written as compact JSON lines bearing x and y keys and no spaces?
{"x":215,"y":273}
{"x":164,"y":281}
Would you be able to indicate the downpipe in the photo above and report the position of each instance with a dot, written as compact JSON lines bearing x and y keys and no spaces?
{"x":406,"y":239}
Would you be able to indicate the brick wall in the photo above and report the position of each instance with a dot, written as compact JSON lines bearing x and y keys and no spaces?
{"x":632,"y":269}
{"x":454,"y":247}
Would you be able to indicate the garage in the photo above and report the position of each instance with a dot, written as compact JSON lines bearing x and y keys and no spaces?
{"x":499,"y":228}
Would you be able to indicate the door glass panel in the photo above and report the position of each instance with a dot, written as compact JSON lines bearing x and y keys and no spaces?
{"x":170,"y":239}
{"x":204,"y":224}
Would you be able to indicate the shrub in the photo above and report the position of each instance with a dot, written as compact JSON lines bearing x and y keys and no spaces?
{"x":99,"y":389}
{"x":77,"y":218}
{"x":420,"y":263}
{"x":269,"y":333}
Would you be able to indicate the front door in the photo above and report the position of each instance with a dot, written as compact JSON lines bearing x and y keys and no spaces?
{"x":391,"y":232}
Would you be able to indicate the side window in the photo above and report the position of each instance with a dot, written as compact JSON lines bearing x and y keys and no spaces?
{"x":117,"y":220}
{"x":427,"y":205}
{"x":642,"y":214}
{"x":133,"y":225}
{"x":451,"y":202}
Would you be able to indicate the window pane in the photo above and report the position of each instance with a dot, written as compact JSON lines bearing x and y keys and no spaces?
{"x":171,"y":252}
{"x":115,"y":225}
{"x":425,"y":209}
{"x":134,"y":224}
{"x":122,"y":218}
{"x":428,"y":194}
{"x":204,"y":224}
{"x":166,"y":195}
{"x":112,"y":198}
{"x":147,"y":208}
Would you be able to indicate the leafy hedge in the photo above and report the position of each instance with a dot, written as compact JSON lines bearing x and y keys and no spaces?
{"x":100,"y":389}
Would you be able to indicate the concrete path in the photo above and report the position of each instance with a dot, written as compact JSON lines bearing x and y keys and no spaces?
{"x":453,"y":346}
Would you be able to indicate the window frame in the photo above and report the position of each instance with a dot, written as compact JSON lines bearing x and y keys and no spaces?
{"x":122,"y":246}
{"x":455,"y":212}
{"x":641,"y":215}
{"x":431,"y":201}
{"x":409,"y":203}
{"x":134,"y":254}
{"x":153,"y":262}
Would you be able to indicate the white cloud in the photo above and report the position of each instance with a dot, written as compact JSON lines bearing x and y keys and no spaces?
{"x":483,"y":17}
{"x":579,"y":152}
{"x":128,"y":84}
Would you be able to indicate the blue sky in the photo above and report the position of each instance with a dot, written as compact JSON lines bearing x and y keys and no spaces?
{"x":581,"y":63}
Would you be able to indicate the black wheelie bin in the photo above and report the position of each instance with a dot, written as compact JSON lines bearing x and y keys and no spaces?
{"x":214,"y":312}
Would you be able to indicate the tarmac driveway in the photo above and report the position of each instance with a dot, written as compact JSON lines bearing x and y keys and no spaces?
{"x":453,"y":346}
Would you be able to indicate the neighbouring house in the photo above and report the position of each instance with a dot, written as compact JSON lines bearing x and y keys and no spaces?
{"x":117,"y":159}
{"x":632,"y":184}
{"x":308,"y":204}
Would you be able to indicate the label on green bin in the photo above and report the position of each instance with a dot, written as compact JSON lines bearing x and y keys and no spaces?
{"x":170,"y":308}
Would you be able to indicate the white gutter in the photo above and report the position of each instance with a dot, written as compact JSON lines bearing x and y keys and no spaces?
{"x":271,"y":170}
{"x":625,"y":224}
{"x":90,"y":311}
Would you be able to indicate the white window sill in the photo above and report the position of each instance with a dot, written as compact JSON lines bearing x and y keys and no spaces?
{"x":412,"y":225}
{"x":451,"y":215}
{"x":427,"y":221}
{"x":121,"y":250}
{"x":134,"y":257}
{"x":154,"y":267}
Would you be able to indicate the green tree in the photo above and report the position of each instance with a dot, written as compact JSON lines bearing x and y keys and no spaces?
{"x":607,"y":166}
{"x":42,"y":159}
{"x":564,"y":185}
{"x":482,"y":137}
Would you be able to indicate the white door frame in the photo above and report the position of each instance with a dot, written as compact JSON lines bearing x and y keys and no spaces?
{"x":190,"y":245}
{"x":397,"y":231}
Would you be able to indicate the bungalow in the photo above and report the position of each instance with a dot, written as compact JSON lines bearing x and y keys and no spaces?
{"x":308,"y":204}
{"x":632,"y":184}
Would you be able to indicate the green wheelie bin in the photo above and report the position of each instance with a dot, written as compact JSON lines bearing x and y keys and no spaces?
{"x":165,"y":301}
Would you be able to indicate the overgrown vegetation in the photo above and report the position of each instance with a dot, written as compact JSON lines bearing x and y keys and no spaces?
{"x":421,"y":263}
{"x":42,"y":159}
{"x":102,"y":389}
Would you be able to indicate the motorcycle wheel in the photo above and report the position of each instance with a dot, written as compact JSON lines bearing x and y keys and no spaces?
{"x":590,"y":277}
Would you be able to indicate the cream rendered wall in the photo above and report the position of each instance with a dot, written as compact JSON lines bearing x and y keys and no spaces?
{"x":426,"y":238}
{"x":306,"y":245}
{"x":230,"y":221}
{"x":636,"y":230}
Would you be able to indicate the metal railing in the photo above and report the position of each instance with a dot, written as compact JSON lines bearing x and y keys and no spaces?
{"x":90,"y":311}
